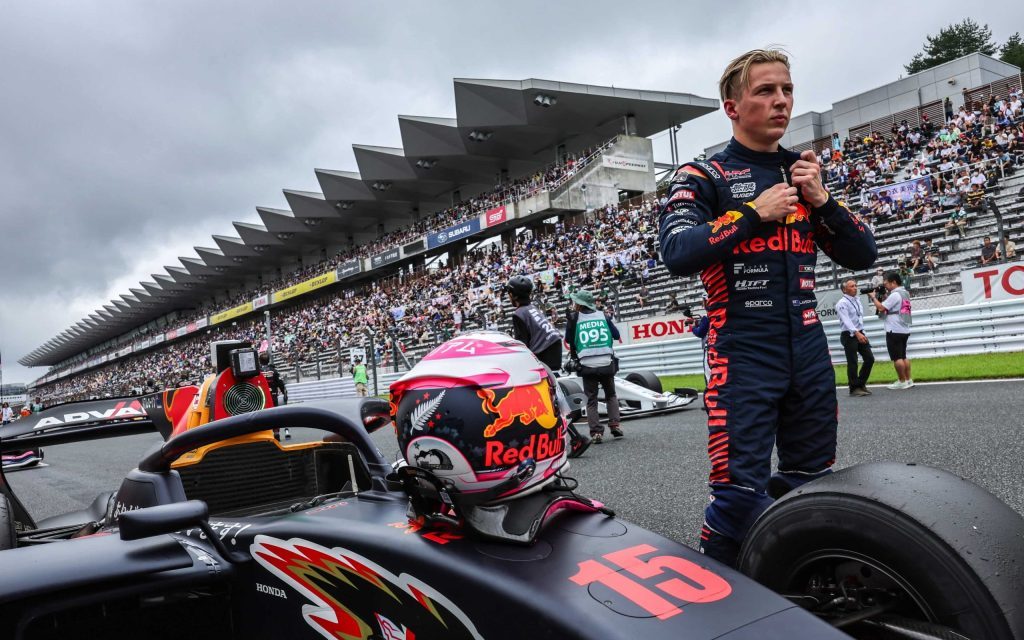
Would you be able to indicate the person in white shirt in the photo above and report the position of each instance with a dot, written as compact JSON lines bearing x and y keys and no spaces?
{"x":851,"y":319}
{"x":6,"y":414}
{"x":896,"y":309}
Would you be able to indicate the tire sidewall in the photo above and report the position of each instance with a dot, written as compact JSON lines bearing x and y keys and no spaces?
{"x":800,"y":527}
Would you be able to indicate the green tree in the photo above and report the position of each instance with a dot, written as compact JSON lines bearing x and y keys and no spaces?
{"x":952,"y":42}
{"x":1013,"y":51}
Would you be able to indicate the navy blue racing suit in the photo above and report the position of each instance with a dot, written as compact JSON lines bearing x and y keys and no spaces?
{"x":769,"y":375}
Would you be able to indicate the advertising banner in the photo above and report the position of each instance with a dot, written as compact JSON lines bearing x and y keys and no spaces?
{"x":349,"y":268}
{"x":670,"y":327}
{"x":630,"y":164}
{"x":494,"y":217}
{"x":904,"y":191}
{"x":261,"y":301}
{"x":172,"y":334}
{"x":414,"y":247}
{"x":993,"y":283}
{"x":201,"y":323}
{"x":453,"y":233}
{"x":231,"y":314}
{"x":381,"y":259}
{"x":157,"y":339}
{"x":305,"y":287}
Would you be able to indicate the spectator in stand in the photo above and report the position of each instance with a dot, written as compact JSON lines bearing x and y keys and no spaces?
{"x":915,"y":257}
{"x":1011,"y":248}
{"x":896,"y":312}
{"x":673,"y":303}
{"x":989,"y":252}
{"x":931,"y":255}
{"x":957,"y":222}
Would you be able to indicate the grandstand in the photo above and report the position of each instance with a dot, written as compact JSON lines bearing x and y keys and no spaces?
{"x":518,"y":153}
{"x":411,"y":290}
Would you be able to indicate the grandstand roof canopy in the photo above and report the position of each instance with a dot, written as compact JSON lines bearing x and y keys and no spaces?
{"x":502,"y":127}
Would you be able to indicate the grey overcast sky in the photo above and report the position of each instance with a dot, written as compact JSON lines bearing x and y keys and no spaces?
{"x":131,"y":131}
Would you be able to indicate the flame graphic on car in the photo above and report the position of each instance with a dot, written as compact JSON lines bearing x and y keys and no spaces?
{"x":347,"y":589}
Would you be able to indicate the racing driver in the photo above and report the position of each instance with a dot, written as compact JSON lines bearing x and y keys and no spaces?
{"x":750,"y":220}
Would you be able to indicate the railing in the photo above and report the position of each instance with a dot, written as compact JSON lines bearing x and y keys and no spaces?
{"x":1000,"y":88}
{"x":989,"y":328}
{"x":912,"y":115}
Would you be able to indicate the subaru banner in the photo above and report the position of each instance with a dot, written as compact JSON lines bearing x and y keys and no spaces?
{"x":453,"y":233}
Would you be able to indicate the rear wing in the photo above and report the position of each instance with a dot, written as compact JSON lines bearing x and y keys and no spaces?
{"x":88,"y":420}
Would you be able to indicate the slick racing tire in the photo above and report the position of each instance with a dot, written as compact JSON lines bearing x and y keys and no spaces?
{"x":8,"y":536}
{"x":886,"y":546}
{"x":645,"y":379}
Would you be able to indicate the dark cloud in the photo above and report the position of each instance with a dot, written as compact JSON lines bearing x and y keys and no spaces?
{"x":131,"y":131}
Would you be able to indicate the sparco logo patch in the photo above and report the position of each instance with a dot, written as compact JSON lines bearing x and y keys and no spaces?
{"x":757,"y":303}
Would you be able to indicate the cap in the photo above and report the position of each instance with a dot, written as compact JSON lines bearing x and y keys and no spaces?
{"x":584,"y":298}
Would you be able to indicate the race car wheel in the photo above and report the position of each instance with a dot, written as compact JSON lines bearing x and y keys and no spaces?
{"x":8,"y":536}
{"x":645,"y":379}
{"x":893,"y":550}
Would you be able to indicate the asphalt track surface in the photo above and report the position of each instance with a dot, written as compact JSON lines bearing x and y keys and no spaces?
{"x":656,"y":475}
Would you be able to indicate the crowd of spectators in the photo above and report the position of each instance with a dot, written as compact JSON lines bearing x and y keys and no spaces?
{"x":543,"y":179}
{"x":959,"y":160}
{"x":612,"y":247}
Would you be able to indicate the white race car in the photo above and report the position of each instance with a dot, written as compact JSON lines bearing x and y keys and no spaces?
{"x":639,"y":392}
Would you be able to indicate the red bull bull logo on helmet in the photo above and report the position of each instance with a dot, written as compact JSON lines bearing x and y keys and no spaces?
{"x":531,"y":403}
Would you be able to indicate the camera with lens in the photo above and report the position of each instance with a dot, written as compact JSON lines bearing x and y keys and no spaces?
{"x":572,"y":366}
{"x":880,"y":291}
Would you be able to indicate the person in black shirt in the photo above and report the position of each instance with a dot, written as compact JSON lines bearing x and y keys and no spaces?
{"x":531,"y":327}
{"x":276,"y":385}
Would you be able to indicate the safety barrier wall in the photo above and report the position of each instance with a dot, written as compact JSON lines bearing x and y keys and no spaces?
{"x":984,"y":328}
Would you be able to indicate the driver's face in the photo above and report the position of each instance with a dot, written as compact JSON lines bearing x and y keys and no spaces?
{"x":762,"y":110}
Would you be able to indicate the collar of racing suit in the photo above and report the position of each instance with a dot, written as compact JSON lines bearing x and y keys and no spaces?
{"x":782,"y":158}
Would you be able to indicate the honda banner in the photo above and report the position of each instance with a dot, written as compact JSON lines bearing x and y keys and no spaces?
{"x":494,"y":217}
{"x":672,"y":327}
{"x":993,"y":283}
{"x":453,"y":233}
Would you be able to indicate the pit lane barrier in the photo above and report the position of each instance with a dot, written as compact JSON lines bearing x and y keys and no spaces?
{"x":996,"y":327}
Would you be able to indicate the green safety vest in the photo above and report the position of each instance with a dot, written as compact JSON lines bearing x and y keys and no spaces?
{"x":593,"y":336}
{"x":359,"y":373}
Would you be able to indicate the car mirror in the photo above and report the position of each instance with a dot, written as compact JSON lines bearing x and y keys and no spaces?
{"x":167,"y":518}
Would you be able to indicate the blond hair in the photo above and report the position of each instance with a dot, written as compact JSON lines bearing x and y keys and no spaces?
{"x":736,"y":76}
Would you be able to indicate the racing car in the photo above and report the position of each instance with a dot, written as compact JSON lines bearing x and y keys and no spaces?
{"x":21,"y":459}
{"x":222,"y":531}
{"x":640,"y":394}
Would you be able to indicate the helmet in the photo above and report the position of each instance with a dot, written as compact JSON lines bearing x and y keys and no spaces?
{"x":480,"y":414}
{"x":520,"y":287}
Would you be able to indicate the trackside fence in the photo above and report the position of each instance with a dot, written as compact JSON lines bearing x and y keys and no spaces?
{"x":966,"y":329}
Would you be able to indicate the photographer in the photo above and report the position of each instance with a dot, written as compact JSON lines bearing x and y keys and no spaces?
{"x":896,"y":310}
{"x":590,"y":334}
{"x":851,"y":317}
